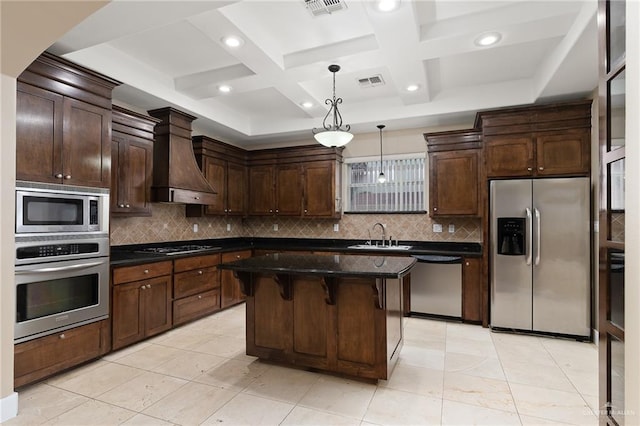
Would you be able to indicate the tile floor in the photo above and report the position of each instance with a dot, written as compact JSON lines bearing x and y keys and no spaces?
{"x":448,"y":373}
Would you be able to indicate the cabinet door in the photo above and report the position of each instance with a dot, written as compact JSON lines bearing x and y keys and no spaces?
{"x":453,"y":183}
{"x":214,"y":170}
{"x":229,"y":285}
{"x":472,"y":289}
{"x":319,"y":189}
{"x":563,"y":152}
{"x":289,"y":190}
{"x":157,"y":305}
{"x":509,"y":155}
{"x":127,"y":323}
{"x":236,"y":189}
{"x":116,"y":195}
{"x":86,"y":146}
{"x":131,"y":175}
{"x":38,"y":135}
{"x":261,"y":190}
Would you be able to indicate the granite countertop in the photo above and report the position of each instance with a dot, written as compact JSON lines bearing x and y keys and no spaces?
{"x":325,"y":265}
{"x":134,"y":254}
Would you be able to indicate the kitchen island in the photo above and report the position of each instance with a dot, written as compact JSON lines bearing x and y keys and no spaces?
{"x":336,"y":313}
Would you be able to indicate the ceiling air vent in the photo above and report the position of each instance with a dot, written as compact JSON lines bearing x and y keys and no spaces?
{"x":320,"y":7}
{"x":372,"y":81}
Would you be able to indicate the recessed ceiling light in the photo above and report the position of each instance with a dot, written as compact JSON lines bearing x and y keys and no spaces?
{"x":387,"y":5}
{"x":224,"y":88}
{"x":232,"y":41}
{"x":412,"y":87}
{"x":488,"y":39}
{"x":307,"y":104}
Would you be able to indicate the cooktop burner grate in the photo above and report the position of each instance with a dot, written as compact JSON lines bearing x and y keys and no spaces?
{"x":169,"y":250}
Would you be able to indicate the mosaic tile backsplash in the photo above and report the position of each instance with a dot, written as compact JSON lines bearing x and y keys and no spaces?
{"x":168,"y":223}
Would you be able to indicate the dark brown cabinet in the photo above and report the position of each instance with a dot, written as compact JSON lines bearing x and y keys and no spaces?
{"x":230,"y":293}
{"x":141,"y":302}
{"x":63,"y":131}
{"x":454,"y":159}
{"x":472,"y":293}
{"x":321,"y":188}
{"x":196,"y":287}
{"x":43,"y":357}
{"x":131,"y":163}
{"x":224,"y":167}
{"x":275,"y":190}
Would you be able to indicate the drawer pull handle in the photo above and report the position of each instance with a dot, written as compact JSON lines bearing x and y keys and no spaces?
{"x":197,"y":198}
{"x":541,"y":168}
{"x":200,"y":272}
{"x":529,"y":168}
{"x":146,"y":271}
{"x":199,"y":297}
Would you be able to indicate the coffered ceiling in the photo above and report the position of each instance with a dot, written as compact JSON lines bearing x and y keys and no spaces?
{"x":171,"y":53}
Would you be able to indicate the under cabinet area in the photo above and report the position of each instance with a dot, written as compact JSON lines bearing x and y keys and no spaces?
{"x":196,"y":287}
{"x":62,"y":130}
{"x":141,"y":302}
{"x":45,"y":356}
{"x":230,"y":293}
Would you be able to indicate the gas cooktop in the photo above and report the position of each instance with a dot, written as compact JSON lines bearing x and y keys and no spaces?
{"x":170,"y":250}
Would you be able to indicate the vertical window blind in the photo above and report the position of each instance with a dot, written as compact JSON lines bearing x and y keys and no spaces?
{"x":403,"y":190}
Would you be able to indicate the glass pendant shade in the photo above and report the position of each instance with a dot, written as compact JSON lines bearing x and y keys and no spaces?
{"x":332,"y":138}
{"x":331,"y":134}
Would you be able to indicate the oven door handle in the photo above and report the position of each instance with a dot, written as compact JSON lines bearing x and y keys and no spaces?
{"x":60,"y":268}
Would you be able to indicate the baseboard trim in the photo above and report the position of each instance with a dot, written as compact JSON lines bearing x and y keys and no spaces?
{"x":8,"y":407}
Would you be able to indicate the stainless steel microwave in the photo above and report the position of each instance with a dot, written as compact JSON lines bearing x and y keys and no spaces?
{"x":51,"y":209}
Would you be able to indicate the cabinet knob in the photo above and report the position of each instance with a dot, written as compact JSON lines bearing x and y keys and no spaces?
{"x":276,"y":210}
{"x":306,"y":211}
{"x":127,"y":205}
{"x":67,"y":177}
{"x":466,"y":263}
{"x":435,"y":209}
{"x":59,"y":176}
{"x":199,"y":297}
{"x":146,"y":271}
{"x":143,"y":287}
{"x":540,"y":168}
{"x":121,"y":206}
{"x":529,"y":168}
{"x":200,"y":272}
{"x":197,"y":198}
{"x":270,"y":211}
{"x":62,"y":336}
{"x":148,"y":285}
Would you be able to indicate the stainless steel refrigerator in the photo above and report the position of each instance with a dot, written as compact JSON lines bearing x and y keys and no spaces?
{"x":540,"y":255}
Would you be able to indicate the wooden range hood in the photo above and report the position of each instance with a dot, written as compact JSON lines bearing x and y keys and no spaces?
{"x":176,"y":175}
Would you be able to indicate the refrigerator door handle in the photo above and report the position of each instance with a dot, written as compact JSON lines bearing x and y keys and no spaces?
{"x":529,"y":235}
{"x":538,"y":229}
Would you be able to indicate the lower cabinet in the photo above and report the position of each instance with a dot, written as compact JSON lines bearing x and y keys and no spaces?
{"x":196,"y":287}
{"x":472,"y":289}
{"x":141,"y":297}
{"x":230,"y":293}
{"x":43,"y":357}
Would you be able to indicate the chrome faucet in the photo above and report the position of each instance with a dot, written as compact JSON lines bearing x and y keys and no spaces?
{"x":383,"y":227}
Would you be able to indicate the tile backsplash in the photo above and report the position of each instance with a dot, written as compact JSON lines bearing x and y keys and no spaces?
{"x":168,"y":223}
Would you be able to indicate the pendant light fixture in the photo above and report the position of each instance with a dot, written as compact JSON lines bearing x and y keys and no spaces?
{"x":381,"y":177}
{"x":332,"y":134}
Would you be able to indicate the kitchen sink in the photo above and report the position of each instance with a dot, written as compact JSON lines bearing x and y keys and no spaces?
{"x":372,"y":247}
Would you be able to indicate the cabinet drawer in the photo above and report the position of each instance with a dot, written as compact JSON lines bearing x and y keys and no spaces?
{"x":236,"y":255}
{"x":195,"y":306}
{"x":195,"y":281}
{"x":196,"y":262}
{"x":141,"y":272}
{"x":48,"y":355}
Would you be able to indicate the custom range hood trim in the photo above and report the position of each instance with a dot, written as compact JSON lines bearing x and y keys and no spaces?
{"x":176,"y":175}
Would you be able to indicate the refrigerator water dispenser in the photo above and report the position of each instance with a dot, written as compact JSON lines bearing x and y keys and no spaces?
{"x":511,"y":236}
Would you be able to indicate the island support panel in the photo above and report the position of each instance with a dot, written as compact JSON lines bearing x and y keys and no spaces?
{"x":348,"y":325}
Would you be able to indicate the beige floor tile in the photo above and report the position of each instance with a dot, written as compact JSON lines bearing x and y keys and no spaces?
{"x":120,"y":353}
{"x":142,"y":391}
{"x":75,"y":372}
{"x":529,"y":373}
{"x":421,"y":357}
{"x":418,"y":380}
{"x":99,"y":380}
{"x":468,"y":331}
{"x":39,"y":403}
{"x":339,"y":396}
{"x":537,"y":421}
{"x":394,"y":407}
{"x":462,"y":345}
{"x":144,"y":420}
{"x":191,"y":405}
{"x":234,"y":374}
{"x":567,"y":407}
{"x":474,"y":365}
{"x":457,"y":413}
{"x":188,"y":365}
{"x":150,"y":357}
{"x":480,"y":391}
{"x":93,"y":412}
{"x":514,"y":348}
{"x":224,"y":346}
{"x":252,"y":410}
{"x":302,"y":416}
{"x":182,"y":339}
{"x":283,"y":384}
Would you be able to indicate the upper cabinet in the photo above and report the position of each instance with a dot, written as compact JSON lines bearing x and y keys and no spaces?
{"x":297,"y":182}
{"x":454,"y":159}
{"x":546,"y":140}
{"x":63,"y":124}
{"x":131,"y":163}
{"x":225,"y":168}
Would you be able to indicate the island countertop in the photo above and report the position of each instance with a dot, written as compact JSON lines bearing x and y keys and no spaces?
{"x":326,"y":265}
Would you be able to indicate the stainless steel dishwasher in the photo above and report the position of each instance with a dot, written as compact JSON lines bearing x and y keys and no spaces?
{"x":436,"y":286}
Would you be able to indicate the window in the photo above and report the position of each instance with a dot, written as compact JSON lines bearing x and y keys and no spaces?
{"x":403,"y":190}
